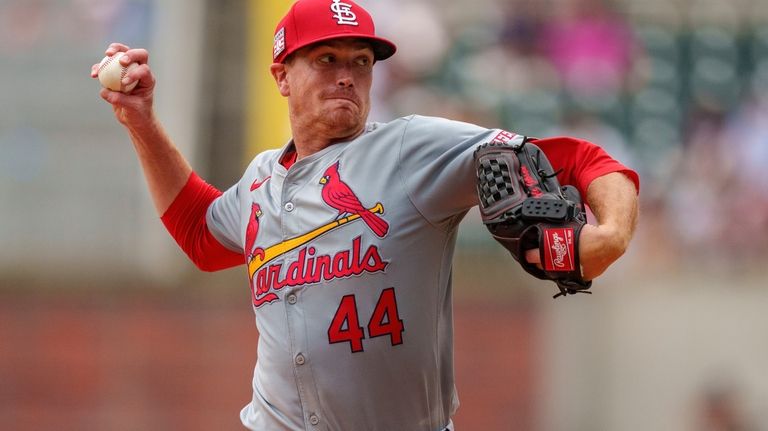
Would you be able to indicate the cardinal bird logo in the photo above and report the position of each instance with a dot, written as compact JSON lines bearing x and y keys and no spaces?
{"x":337,"y":194}
{"x":252,"y":231}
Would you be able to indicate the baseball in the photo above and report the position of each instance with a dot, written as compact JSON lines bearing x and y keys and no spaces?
{"x":111,"y":73}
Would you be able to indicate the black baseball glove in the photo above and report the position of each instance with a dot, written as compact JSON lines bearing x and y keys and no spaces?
{"x":524,"y":207}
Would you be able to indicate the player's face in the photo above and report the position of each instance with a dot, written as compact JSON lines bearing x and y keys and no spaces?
{"x":328,"y":86}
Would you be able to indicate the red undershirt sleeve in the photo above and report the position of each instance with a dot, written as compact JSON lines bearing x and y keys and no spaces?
{"x":581,"y":162}
{"x":185,"y":221}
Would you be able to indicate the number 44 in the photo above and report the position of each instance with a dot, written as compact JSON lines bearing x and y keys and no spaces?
{"x":345,"y":326}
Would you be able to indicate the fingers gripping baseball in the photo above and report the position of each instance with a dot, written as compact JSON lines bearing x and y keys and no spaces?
{"x":138,"y":56}
{"x":134,"y":105}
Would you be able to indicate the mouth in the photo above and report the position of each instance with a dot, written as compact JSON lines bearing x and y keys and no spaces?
{"x":344,"y":99}
{"x":352,"y":100}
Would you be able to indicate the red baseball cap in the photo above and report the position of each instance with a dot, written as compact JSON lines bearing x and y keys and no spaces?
{"x":311,"y":21}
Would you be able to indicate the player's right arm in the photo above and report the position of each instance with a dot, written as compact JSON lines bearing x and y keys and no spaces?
{"x":181,"y":198}
{"x":165,"y":168}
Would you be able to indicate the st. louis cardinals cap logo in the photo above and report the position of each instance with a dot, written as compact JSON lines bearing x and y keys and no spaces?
{"x":342,"y":13}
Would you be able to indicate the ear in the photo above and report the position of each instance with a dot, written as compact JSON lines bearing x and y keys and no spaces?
{"x":281,"y":78}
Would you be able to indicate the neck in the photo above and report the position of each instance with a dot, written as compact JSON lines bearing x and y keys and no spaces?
{"x":312,"y":138}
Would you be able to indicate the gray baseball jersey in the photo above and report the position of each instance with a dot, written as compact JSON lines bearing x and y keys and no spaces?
{"x":349,"y":258}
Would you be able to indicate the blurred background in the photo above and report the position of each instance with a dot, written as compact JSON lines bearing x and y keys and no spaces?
{"x":105,"y":325}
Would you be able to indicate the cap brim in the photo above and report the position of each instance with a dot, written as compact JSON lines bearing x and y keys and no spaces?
{"x":382,"y":48}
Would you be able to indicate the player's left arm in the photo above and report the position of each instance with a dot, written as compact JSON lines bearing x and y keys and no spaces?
{"x":611,"y":191}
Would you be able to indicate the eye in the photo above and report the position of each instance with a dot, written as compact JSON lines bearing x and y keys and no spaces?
{"x":326,"y":59}
{"x":363,"y":61}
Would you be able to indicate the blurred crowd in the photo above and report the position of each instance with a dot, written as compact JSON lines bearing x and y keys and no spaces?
{"x":678,"y":90}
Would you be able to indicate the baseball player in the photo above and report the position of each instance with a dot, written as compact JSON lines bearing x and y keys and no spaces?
{"x":347,"y":232}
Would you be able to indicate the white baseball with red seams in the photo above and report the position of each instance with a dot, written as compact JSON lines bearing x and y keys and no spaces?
{"x":111,"y":74}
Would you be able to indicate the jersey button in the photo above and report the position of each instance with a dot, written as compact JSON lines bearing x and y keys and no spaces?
{"x":300,"y":359}
{"x":314,"y":420}
{"x":289,"y":206}
{"x":291,"y":299}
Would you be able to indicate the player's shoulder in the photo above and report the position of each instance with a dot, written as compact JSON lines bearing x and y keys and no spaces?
{"x":427,"y":120}
{"x":424,"y":125}
{"x":440,"y":132}
{"x":440,"y":126}
{"x":418,"y":120}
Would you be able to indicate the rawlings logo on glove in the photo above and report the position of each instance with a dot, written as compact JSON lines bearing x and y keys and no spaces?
{"x":524,"y":207}
{"x":560,"y":245}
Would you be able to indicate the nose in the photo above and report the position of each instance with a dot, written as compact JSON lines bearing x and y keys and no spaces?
{"x":344,"y":78}
{"x":345,"y":82}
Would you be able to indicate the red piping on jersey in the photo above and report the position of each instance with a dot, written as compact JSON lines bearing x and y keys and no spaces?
{"x":185,"y":221}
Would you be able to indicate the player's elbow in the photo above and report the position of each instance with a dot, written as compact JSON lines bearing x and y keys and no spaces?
{"x":209,"y":255}
{"x":204,"y":265}
{"x":213,"y":265}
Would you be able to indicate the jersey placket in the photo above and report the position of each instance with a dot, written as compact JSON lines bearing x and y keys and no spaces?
{"x":295,"y":318}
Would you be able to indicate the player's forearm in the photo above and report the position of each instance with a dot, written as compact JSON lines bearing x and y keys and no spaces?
{"x":613,"y":200}
{"x":165,"y":168}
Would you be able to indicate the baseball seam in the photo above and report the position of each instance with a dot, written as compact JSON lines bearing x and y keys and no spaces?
{"x":106,"y":63}
{"x":123,"y":70}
